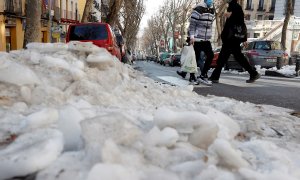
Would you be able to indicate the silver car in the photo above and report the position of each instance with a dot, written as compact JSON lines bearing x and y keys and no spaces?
{"x":263,"y":53}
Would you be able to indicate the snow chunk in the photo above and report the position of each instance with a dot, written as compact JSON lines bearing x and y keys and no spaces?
{"x":114,"y":126}
{"x":227,"y":156}
{"x":167,"y":137}
{"x":69,"y":124}
{"x":70,"y":165}
{"x":112,"y":172}
{"x":41,"y":119}
{"x":14,"y":73}
{"x":30,"y":152}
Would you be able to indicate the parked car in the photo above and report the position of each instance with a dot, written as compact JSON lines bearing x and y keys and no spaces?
{"x":167,"y":60}
{"x":216,"y":56}
{"x":133,"y":57}
{"x":100,"y":34}
{"x":293,"y":57}
{"x":263,"y":53}
{"x":121,"y":44}
{"x":175,"y":60}
{"x":151,"y":58}
{"x":163,"y":56}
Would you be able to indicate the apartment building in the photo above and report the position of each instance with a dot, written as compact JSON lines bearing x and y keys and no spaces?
{"x":259,"y":9}
{"x":12,"y":24}
{"x":13,"y":21}
{"x":281,"y":7}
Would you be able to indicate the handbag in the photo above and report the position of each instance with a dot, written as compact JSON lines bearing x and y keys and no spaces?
{"x":188,"y":60}
{"x":238,"y":32}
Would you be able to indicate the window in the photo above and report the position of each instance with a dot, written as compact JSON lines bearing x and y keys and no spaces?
{"x":247,"y":16}
{"x":256,"y":35}
{"x":272,"y":8}
{"x":268,"y":45}
{"x":259,"y":17}
{"x":249,"y":3}
{"x":88,"y":32}
{"x":261,"y":5}
{"x":271,"y":17}
{"x":262,"y":45}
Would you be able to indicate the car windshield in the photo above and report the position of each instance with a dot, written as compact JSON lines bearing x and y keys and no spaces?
{"x":267,"y":45}
{"x":88,"y":32}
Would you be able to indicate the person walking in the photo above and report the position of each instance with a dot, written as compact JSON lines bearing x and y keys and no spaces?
{"x":231,"y":43}
{"x":200,"y":32}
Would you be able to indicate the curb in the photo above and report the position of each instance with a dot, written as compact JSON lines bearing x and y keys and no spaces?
{"x":277,"y":74}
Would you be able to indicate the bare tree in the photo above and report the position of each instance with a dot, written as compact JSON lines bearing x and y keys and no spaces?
{"x":163,"y":25}
{"x":88,"y":9}
{"x":184,"y":14}
{"x":129,"y":20}
{"x":154,"y":32}
{"x":174,"y":7}
{"x":113,"y":12}
{"x":288,"y":12}
{"x":33,"y":22}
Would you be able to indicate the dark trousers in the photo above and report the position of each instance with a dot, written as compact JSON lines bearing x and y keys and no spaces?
{"x":204,"y":46}
{"x":234,"y":49}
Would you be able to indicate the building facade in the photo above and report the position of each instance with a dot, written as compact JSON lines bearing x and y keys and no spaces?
{"x":53,"y":29}
{"x":12,"y":24}
{"x":281,"y":7}
{"x":259,"y":9}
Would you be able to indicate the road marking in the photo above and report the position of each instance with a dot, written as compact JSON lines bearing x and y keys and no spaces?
{"x":174,"y":80}
{"x":179,"y":81}
{"x":239,"y":81}
{"x":263,"y":81}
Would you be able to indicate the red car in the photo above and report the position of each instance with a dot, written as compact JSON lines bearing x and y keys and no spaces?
{"x":216,"y":56}
{"x":100,"y":34}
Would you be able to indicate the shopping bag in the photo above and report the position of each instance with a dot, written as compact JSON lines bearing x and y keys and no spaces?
{"x":188,"y":60}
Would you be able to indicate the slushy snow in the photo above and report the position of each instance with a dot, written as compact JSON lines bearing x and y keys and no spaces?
{"x":73,"y":111}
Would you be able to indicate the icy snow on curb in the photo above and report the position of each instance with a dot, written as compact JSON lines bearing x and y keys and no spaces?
{"x":73,"y":111}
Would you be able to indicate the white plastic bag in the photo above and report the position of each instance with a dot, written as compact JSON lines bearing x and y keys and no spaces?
{"x":188,"y":60}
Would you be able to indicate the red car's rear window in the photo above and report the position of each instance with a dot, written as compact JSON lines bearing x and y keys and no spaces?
{"x":88,"y":32}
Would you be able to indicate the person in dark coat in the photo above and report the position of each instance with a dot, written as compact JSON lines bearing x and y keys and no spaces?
{"x":231,"y":45}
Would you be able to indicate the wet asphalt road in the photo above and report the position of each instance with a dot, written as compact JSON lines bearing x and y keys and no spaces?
{"x":277,"y":91}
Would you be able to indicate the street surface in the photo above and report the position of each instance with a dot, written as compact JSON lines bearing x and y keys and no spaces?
{"x":277,"y":91}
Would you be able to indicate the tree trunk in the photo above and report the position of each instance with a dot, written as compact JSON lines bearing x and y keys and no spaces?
{"x":87,"y":10}
{"x":33,"y":22}
{"x":114,"y":8}
{"x":289,"y":8}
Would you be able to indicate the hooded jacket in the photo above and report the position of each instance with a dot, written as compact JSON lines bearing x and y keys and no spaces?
{"x":201,"y":21}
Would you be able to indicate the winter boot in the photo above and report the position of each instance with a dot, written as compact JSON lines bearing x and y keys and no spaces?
{"x":181,"y":73}
{"x":253,"y":78}
{"x":193,"y":79}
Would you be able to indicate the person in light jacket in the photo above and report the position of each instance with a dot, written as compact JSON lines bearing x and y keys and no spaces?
{"x":200,"y":32}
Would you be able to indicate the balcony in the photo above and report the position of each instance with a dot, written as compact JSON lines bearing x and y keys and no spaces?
{"x":69,"y":17}
{"x":13,"y":7}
